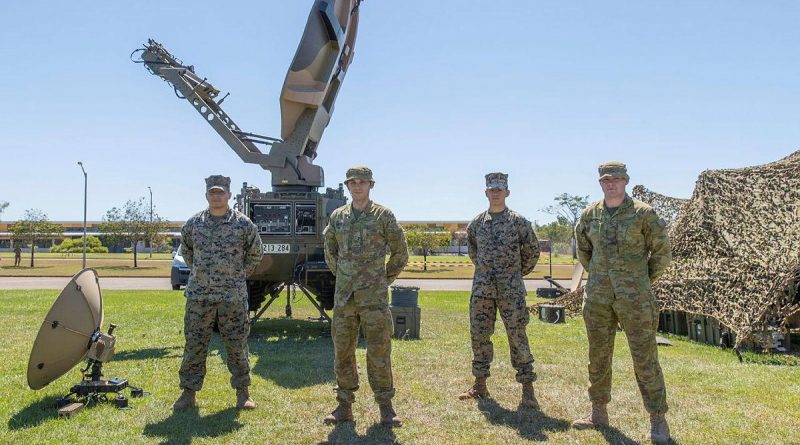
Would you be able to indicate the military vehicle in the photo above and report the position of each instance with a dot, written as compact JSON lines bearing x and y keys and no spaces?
{"x":292,"y":216}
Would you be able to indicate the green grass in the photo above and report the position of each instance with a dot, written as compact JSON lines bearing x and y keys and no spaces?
{"x":78,"y":256}
{"x":543,"y":259}
{"x":714,"y":399}
{"x":49,"y":267}
{"x":121,"y":266}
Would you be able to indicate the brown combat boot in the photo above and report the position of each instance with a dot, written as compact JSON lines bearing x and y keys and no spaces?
{"x":388,"y":416}
{"x":243,"y":400}
{"x":598,"y":417}
{"x":659,"y":429}
{"x":186,"y":400}
{"x":342,"y":413}
{"x":477,"y":391}
{"x":528,"y":397}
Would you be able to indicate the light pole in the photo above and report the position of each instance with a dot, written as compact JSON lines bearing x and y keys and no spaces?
{"x":85,"y":189}
{"x":151,"y":221}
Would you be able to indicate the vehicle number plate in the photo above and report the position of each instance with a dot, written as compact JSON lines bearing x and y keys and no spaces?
{"x":277,"y":248}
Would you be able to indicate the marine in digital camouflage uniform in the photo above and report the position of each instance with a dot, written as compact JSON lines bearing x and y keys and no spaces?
{"x":222,"y":247}
{"x":624,"y":246}
{"x":356,"y":239}
{"x":504,"y":248}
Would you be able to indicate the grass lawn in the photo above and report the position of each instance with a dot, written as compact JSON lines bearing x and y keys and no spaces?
{"x":106,"y":267}
{"x":714,"y":399}
{"x":121,"y":265}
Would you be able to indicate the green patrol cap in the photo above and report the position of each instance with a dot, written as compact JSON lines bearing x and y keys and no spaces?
{"x":218,"y":182}
{"x":613,"y":169}
{"x":497,"y":180}
{"x":359,"y":172}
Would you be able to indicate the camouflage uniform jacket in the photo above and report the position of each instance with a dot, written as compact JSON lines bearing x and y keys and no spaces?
{"x":624,"y":252}
{"x":503,"y":248}
{"x":355,"y":249}
{"x":222,"y":254}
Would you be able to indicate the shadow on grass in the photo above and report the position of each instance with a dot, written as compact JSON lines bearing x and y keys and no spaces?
{"x":530,"y":424}
{"x":292,"y":353}
{"x":180,"y":428}
{"x":149,"y":353}
{"x":345,"y":433}
{"x":34,"y":414}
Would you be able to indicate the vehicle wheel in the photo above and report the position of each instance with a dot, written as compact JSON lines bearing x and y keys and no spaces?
{"x":176,"y":287}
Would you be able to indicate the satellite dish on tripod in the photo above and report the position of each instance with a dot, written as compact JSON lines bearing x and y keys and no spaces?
{"x":65,"y":336}
{"x":70,"y":333}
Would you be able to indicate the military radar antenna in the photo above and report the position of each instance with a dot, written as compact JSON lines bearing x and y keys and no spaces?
{"x":291,"y":217}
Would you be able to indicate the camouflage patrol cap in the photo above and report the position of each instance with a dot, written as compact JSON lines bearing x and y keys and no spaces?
{"x":359,"y":172}
{"x":497,"y":180}
{"x":613,"y":169}
{"x":218,"y":182}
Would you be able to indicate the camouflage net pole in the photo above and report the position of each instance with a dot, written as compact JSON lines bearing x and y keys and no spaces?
{"x":736,"y":249}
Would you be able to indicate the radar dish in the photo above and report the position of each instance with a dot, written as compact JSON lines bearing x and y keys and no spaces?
{"x":66,"y":333}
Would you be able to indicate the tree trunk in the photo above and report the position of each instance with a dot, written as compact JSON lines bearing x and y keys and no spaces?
{"x":425,"y":260}
{"x":135,"y":264}
{"x":33,"y":247}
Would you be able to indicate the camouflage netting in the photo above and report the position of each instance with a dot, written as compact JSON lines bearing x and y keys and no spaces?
{"x":736,"y":249}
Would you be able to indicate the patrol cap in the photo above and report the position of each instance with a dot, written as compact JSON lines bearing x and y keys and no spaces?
{"x":218,"y":182}
{"x":497,"y":180}
{"x":613,"y":169}
{"x":359,"y":172}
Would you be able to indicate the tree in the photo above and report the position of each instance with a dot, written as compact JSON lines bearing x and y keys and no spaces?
{"x":3,"y":206}
{"x":425,"y":239}
{"x":70,"y":245}
{"x":131,"y":225}
{"x":567,"y":210}
{"x":34,"y":226}
{"x":558,"y":232}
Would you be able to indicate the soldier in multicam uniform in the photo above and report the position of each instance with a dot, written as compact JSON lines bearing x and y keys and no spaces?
{"x":222,"y":246}
{"x":356,"y":239}
{"x":624,"y":246}
{"x":504,"y":248}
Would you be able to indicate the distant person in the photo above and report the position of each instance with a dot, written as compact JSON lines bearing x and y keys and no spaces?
{"x":356,"y":239}
{"x":504,"y":248}
{"x":624,"y":246}
{"x":222,"y":247}
{"x":17,"y":256}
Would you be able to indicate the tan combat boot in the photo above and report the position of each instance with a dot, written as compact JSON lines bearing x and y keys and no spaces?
{"x":477,"y":391}
{"x":186,"y":400}
{"x":659,"y":430}
{"x":342,"y":413}
{"x":388,"y":416}
{"x":243,"y":400}
{"x":528,"y":397}
{"x":598,"y":417}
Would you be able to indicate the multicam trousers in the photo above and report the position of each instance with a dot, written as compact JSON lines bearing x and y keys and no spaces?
{"x":377,"y":322}
{"x":639,"y":319}
{"x":234,"y":327}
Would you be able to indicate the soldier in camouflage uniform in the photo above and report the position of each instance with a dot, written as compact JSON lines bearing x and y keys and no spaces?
{"x":356,"y":240}
{"x":222,"y":246}
{"x":504,"y":248}
{"x":624,"y":246}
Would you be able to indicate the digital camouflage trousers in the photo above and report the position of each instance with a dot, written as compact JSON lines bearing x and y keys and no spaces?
{"x":234,"y":327}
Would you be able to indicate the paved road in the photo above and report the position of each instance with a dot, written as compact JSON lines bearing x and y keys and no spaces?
{"x":164,"y":284}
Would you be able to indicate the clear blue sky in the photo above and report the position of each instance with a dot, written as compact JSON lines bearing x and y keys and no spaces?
{"x":440,"y":93}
